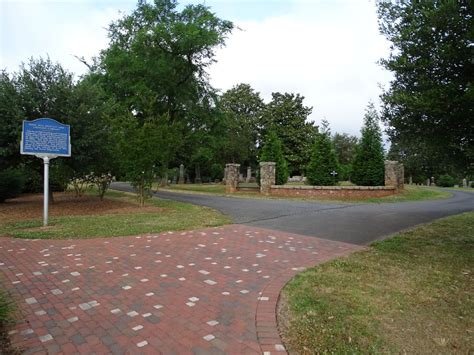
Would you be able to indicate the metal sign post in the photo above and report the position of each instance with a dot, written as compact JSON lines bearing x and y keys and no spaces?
{"x":46,"y":191}
{"x":46,"y":139}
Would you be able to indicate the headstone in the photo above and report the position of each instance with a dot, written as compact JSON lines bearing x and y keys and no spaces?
{"x":428,"y":182}
{"x":249,"y":174}
{"x":267,"y":177}
{"x":410,"y":180}
{"x":433,"y":181}
{"x":232,"y":178}
{"x":464,"y":183}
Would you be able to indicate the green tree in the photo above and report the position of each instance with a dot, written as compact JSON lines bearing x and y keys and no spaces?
{"x":139,"y":152}
{"x":368,"y":165}
{"x":287,"y":114}
{"x":345,"y":147}
{"x":90,"y":115}
{"x":156,"y":65}
{"x":272,"y":151}
{"x":10,"y":122}
{"x":429,"y":101}
{"x":44,"y":89}
{"x":323,"y":160}
{"x":242,"y":108}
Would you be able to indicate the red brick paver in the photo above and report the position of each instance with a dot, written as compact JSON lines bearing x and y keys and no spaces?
{"x":206,"y":291}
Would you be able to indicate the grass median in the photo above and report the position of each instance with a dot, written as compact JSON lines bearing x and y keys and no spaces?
{"x":412,"y":293}
{"x":88,"y":217}
{"x":410,"y":193}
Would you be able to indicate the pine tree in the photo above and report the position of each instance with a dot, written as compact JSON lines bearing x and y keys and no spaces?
{"x":368,"y":165}
{"x":323,"y":160}
{"x":272,"y":151}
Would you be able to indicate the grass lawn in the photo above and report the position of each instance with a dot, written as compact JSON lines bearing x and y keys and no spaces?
{"x":410,"y":193}
{"x":117,"y":215}
{"x":204,"y":188}
{"x":6,"y":310}
{"x":413,"y":293}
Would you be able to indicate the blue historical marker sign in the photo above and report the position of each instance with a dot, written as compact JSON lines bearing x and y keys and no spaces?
{"x":45,"y":137}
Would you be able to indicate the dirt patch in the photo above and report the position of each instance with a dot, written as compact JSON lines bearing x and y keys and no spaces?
{"x":28,"y":207}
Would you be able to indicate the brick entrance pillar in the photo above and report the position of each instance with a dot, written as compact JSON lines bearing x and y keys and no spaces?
{"x":394,"y":174}
{"x":232,"y":178}
{"x":267,"y":177}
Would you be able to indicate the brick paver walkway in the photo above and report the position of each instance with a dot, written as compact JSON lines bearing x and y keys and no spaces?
{"x":208,"y":291}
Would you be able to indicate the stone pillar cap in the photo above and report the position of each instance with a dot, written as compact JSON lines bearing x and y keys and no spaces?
{"x":267,"y":163}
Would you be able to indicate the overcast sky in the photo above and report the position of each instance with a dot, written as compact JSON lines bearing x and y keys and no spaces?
{"x":325,"y":50}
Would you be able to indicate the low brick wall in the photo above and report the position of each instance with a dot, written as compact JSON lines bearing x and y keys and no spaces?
{"x":335,"y":192}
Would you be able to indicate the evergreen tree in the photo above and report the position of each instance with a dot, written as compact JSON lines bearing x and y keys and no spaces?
{"x":272,"y":151}
{"x":368,"y":165}
{"x":323,"y":160}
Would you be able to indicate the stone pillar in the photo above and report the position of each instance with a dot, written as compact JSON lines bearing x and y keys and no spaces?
{"x":394,"y":174}
{"x":181,"y":174}
{"x":249,"y":174}
{"x":464,"y":183}
{"x":232,"y":178}
{"x":428,"y":182}
{"x":267,"y":177}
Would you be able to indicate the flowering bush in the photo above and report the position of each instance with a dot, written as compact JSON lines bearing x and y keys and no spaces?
{"x":80,"y":184}
{"x":102,"y":182}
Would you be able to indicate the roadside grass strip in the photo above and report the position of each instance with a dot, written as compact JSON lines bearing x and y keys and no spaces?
{"x":411,"y":293}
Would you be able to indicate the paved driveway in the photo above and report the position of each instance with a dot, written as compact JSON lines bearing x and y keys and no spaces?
{"x":355,"y":223}
{"x":210,"y":291}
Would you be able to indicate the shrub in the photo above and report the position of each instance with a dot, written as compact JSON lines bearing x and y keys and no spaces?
{"x":11,"y":183}
{"x":102,"y":183}
{"x":272,"y":151}
{"x":446,"y":181}
{"x":216,"y":171}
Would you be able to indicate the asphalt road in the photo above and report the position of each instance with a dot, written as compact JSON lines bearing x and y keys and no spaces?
{"x":347,"y":222}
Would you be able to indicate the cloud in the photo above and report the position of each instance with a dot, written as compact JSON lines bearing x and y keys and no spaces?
{"x":60,"y":30}
{"x":326,"y":52}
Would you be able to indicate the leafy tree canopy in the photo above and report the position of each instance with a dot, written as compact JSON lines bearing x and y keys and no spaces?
{"x":429,"y":101}
{"x":287,"y":114}
{"x":242,"y":108}
{"x":156,"y":64}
